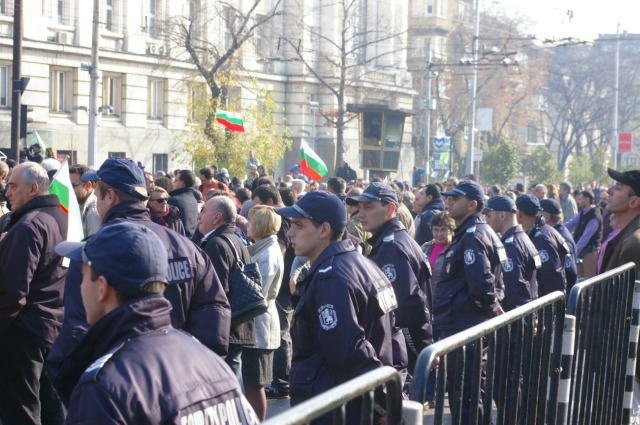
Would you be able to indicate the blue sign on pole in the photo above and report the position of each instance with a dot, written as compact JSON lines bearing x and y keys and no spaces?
{"x":442,"y":143}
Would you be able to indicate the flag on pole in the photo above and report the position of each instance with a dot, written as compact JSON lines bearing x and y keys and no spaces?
{"x":230,"y":120}
{"x":310,"y":163}
{"x":61,"y":186}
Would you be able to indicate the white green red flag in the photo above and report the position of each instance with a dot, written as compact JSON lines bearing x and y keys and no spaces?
{"x":231,"y":120}
{"x":61,"y":186}
{"x":310,"y":163}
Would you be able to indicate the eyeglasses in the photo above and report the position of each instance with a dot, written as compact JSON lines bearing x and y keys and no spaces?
{"x":159,"y":200}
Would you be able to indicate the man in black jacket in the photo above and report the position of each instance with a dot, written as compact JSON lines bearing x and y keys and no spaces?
{"x":199,"y":302}
{"x":31,"y":288}
{"x":433,"y":205}
{"x":216,"y":223}
{"x":184,"y":197}
{"x":132,"y":341}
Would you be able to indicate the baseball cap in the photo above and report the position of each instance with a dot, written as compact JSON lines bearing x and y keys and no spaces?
{"x":123,"y":174}
{"x":323,"y":207}
{"x":500,"y":203}
{"x":378,"y":191}
{"x":468,"y":188}
{"x":631,"y":178}
{"x":128,"y":254}
{"x":528,"y":204}
{"x":550,"y":206}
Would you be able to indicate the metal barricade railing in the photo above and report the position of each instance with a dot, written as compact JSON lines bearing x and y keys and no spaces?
{"x":603,"y":307}
{"x":522,"y":364}
{"x":336,"y":399}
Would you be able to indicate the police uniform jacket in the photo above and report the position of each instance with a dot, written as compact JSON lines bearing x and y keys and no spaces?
{"x":199,"y":302}
{"x":31,"y":273}
{"x":471,"y":287}
{"x":133,"y":367}
{"x":405,"y":265}
{"x":570,"y":268}
{"x":519,"y":270}
{"x":224,"y":259}
{"x":553,"y":252}
{"x":343,"y":323}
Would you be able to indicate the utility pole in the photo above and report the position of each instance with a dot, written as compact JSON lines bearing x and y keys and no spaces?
{"x":427,"y":117}
{"x":93,"y":88}
{"x":616,"y":90}
{"x":16,"y":95}
{"x":474,"y":83}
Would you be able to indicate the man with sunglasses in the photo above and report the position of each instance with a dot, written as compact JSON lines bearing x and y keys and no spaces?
{"x":199,"y":303}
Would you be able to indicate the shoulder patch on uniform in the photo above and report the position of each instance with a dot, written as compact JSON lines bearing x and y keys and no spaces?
{"x":328,"y":317}
{"x":471,"y":229}
{"x":469,"y":257}
{"x":325,"y":270}
{"x":389,"y":238}
{"x":567,"y":262}
{"x":389,"y":271}
{"x":544,"y":255}
{"x":536,"y":260}
{"x":537,"y":234}
{"x":509,"y":240}
{"x":507,"y":266}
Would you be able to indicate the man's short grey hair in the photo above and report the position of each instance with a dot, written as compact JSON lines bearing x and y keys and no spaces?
{"x":227,"y":208}
{"x":34,"y":173}
{"x":541,"y":187}
{"x":298,"y":185}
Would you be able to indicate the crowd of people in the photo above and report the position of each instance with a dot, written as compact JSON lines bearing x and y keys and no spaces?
{"x":355,"y":275}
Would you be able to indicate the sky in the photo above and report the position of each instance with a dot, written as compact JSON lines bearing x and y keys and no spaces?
{"x":582,"y":19}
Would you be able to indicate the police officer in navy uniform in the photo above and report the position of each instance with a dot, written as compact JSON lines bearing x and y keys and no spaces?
{"x":471,"y":287}
{"x":343,"y":322}
{"x":199,"y":303}
{"x":403,"y":262}
{"x":519,"y":277}
{"x":132,"y":366}
{"x":552,"y":214}
{"x":552,"y":248}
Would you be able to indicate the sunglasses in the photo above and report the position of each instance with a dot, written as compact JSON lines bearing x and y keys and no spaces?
{"x":159,"y":200}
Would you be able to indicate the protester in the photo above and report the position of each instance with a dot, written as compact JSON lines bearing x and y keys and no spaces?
{"x":131,"y":342}
{"x":86,"y":199}
{"x":344,"y":322}
{"x":433,"y":204}
{"x":257,"y":366}
{"x":162,"y":213}
{"x":569,"y":207}
{"x":31,"y":288}
{"x":183,"y":196}
{"x":587,"y":232}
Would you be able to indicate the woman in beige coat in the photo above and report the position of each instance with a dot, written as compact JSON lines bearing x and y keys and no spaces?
{"x":257,"y":362}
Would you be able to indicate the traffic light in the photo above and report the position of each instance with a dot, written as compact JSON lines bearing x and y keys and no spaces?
{"x":25,"y":119}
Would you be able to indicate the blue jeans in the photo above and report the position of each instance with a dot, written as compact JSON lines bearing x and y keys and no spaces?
{"x":234,"y":361}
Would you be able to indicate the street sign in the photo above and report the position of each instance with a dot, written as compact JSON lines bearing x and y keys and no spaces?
{"x":624,"y":142}
{"x":442,"y":143}
{"x":477,"y":155}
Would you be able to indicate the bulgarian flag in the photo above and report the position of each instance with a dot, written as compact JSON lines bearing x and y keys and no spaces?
{"x":230,"y":120}
{"x":310,"y":163}
{"x":61,"y":186}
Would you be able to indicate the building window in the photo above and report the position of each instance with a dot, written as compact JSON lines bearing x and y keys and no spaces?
{"x":152,"y":18}
{"x":198,"y":93}
{"x":71,"y":156}
{"x":57,"y":10}
{"x":160,"y":162}
{"x":3,"y":7}
{"x":442,"y":8}
{"x":106,"y":10}
{"x":422,"y":7}
{"x":5,"y":93}
{"x":60,"y":90}
{"x":112,"y":94}
{"x":155,"y":99}
{"x":117,"y":154}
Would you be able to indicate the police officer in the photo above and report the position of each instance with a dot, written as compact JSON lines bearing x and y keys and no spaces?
{"x":199,"y":303}
{"x":471,"y":287}
{"x":519,"y":277}
{"x":519,"y":269}
{"x":403,"y":262}
{"x":343,"y":319}
{"x":552,"y":214}
{"x":132,"y":341}
{"x":551,"y":246}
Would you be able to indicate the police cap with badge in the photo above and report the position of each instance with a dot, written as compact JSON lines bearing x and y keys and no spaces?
{"x":320,"y":206}
{"x":122,"y":174}
{"x":550,"y":206}
{"x":378,"y":191}
{"x":113,"y":250}
{"x":528,"y":204}
{"x":468,"y":189}
{"x":500,"y":203}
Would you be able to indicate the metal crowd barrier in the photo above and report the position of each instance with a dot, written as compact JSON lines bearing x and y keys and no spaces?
{"x":336,"y":399}
{"x":523,"y":381}
{"x":605,"y":347}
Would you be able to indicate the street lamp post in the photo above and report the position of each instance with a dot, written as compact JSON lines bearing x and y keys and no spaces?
{"x":474,"y":83}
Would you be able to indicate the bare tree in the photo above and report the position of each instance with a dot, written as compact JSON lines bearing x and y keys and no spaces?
{"x":341,"y":59}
